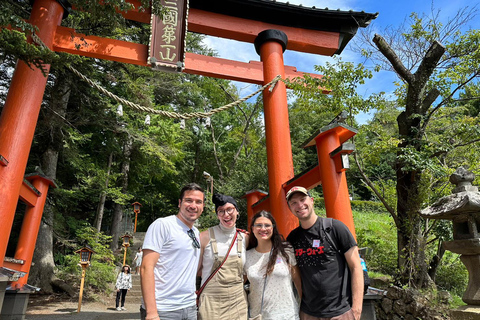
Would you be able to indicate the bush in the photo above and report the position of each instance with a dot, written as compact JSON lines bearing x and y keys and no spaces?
{"x":101,"y":273}
{"x":357,"y":205}
{"x":452,"y":274}
{"x":376,"y":231}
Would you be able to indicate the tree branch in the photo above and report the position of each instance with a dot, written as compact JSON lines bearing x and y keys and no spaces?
{"x":432,"y":95}
{"x":377,"y":193}
{"x":444,"y":101}
{"x":429,"y":62}
{"x":245,"y":129}
{"x":392,"y":57}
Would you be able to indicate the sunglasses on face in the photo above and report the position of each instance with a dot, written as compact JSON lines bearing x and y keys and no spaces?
{"x":195,"y":243}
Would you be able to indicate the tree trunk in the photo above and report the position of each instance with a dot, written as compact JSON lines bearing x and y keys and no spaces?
{"x":41,"y":273}
{"x":412,"y":261}
{"x":435,"y":262}
{"x":103,"y":197}
{"x":118,"y":208}
{"x":410,"y":239}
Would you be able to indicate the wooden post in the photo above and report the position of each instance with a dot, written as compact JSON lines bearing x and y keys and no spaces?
{"x":334,"y":181}
{"x":19,"y":118}
{"x":271,"y":44}
{"x":84,"y":269}
{"x":125,"y":254}
{"x":135,"y":228}
{"x":30,"y":227}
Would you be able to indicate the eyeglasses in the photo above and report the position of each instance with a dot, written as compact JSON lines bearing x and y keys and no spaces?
{"x":262,"y":225}
{"x":195,"y":243}
{"x":226,"y":211}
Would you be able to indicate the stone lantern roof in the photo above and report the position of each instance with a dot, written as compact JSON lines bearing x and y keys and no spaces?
{"x":464,"y":201}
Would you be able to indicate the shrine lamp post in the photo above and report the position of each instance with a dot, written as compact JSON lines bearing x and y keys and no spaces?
{"x":136,"y":210}
{"x":126,"y":244}
{"x":85,"y":257}
{"x":209,"y":178}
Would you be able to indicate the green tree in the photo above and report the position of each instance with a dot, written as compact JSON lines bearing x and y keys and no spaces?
{"x":433,"y":133}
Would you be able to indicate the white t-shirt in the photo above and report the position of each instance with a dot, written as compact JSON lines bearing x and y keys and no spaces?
{"x":176,"y":267}
{"x":279,"y":301}
{"x":224,"y":238}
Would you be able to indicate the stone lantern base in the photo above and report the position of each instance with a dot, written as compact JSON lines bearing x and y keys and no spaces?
{"x":467,"y":312}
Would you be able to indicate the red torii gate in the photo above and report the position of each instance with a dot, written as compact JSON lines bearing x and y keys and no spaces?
{"x":272,"y":26}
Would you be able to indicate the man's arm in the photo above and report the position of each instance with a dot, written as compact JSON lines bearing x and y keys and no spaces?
{"x":353,"y":261}
{"x":204,"y":239}
{"x":297,"y":279}
{"x":147,"y":280}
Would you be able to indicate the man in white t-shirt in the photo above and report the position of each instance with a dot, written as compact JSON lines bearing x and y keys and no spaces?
{"x":171,"y":252}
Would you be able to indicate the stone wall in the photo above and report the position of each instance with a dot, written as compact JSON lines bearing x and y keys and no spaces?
{"x":407,"y":304}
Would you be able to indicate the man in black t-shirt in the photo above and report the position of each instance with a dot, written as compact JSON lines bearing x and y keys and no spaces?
{"x":329,"y":263}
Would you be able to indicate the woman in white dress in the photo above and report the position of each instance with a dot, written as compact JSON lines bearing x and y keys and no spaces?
{"x":138,"y":260}
{"x":271,"y":257}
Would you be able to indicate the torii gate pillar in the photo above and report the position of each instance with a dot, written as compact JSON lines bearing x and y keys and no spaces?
{"x":19,"y":118}
{"x":270,"y":45}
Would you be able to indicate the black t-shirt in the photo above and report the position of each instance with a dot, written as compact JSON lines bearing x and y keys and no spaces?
{"x":323,"y":268}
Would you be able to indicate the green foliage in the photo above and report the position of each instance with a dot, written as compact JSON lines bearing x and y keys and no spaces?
{"x":101,"y":273}
{"x":376,"y":231}
{"x":368,"y":206}
{"x":452,"y":274}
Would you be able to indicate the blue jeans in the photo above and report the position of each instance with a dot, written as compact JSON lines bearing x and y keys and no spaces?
{"x":189,"y":313}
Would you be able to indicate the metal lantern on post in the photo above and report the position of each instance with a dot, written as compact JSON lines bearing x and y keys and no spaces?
{"x":126,"y":244}
{"x":136,"y":210}
{"x":208,"y":177}
{"x":85,"y":258}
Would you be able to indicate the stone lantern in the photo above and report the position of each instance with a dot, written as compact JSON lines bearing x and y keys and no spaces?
{"x":462,"y":207}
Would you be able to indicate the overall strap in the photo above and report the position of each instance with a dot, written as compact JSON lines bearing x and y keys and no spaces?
{"x":239,"y":243}
{"x":213,"y":242}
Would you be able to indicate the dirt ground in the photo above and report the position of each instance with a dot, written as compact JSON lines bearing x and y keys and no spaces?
{"x":55,"y":307}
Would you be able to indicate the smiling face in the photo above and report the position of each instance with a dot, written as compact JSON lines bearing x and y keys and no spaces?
{"x":190,"y":207}
{"x":262,"y":229}
{"x":227,"y":215}
{"x":301,"y":206}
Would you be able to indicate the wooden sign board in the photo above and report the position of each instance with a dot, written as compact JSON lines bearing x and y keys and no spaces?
{"x":167,"y":39}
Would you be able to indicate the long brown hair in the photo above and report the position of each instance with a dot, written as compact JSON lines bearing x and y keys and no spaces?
{"x":278,"y":241}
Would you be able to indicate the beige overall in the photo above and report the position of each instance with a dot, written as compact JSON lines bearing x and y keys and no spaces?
{"x":224,"y":298}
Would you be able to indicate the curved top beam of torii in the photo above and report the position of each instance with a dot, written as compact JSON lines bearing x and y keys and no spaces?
{"x":310,"y":30}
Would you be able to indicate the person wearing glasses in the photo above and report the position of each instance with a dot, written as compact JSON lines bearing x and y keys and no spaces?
{"x":329,"y":263}
{"x":171,"y":252}
{"x":223,"y":250}
{"x":271,"y":269}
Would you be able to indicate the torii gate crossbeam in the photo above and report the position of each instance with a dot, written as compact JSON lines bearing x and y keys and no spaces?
{"x":21,"y":109}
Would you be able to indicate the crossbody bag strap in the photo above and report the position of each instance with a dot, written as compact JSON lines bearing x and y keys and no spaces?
{"x":199,"y":291}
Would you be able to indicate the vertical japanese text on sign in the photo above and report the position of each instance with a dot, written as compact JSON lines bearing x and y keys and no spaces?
{"x":167,"y":40}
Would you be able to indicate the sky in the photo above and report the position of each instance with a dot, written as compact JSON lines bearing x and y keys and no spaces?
{"x":390,"y":14}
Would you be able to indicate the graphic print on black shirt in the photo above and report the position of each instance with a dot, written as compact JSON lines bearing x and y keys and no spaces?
{"x":312,"y":250}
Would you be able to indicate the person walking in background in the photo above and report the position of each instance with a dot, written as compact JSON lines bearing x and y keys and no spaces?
{"x":223,"y":250}
{"x":171,"y":252}
{"x":271,"y":269}
{"x":123,"y":285}
{"x":138,"y":260}
{"x":329,"y":263}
